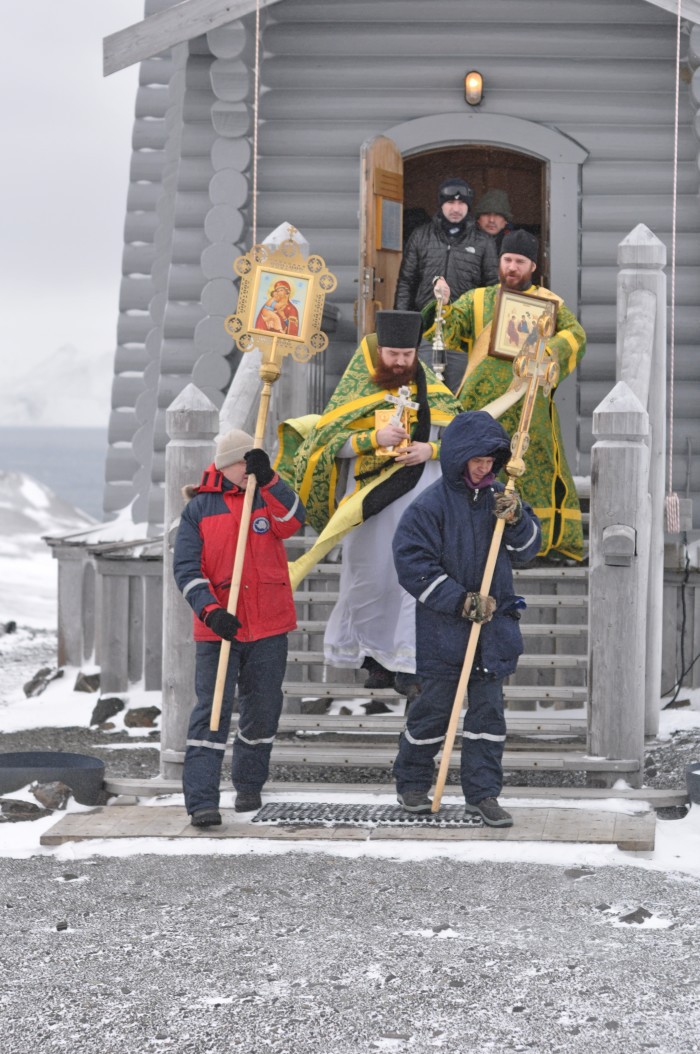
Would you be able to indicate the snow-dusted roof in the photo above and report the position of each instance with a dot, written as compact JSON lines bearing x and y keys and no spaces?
{"x":191,"y":18}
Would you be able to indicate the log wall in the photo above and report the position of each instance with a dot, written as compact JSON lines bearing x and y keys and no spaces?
{"x":334,"y":74}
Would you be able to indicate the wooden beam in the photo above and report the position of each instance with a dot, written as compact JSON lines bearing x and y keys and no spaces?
{"x":163,"y":30}
{"x":690,"y":9}
{"x":149,"y":787}
{"x":191,"y":18}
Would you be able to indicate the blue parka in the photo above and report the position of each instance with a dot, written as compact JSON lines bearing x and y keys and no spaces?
{"x":440,"y":550}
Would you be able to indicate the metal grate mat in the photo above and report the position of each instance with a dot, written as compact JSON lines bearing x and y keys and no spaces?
{"x":329,"y":814}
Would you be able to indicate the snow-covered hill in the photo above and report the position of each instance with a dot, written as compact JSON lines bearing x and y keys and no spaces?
{"x":68,"y":388}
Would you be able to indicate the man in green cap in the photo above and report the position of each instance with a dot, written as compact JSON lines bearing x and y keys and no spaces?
{"x":494,"y":215}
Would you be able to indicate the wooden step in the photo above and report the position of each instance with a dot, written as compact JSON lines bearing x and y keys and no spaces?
{"x":331,"y":569}
{"x":132,"y":788}
{"x":551,"y":573}
{"x":528,"y":629}
{"x":544,"y":661}
{"x":514,"y":693}
{"x":391,"y":724}
{"x":306,"y":541}
{"x":534,"y":600}
{"x":364,"y":756}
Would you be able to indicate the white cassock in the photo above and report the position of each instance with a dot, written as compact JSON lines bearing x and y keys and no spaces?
{"x":374,"y":615}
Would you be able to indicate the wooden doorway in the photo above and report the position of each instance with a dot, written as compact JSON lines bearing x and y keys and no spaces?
{"x":522,"y":176}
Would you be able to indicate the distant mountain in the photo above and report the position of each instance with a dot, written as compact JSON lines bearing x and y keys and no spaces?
{"x":29,"y":510}
{"x":68,"y":388}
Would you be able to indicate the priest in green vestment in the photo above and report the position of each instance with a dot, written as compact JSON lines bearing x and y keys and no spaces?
{"x":547,"y":485}
{"x":354,"y":491}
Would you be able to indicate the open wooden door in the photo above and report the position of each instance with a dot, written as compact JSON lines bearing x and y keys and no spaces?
{"x":381,"y":229}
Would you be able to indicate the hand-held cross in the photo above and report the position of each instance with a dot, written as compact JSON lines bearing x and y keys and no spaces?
{"x":402,"y":402}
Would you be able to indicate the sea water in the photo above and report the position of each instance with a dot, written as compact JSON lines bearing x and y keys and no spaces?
{"x":71,"y":461}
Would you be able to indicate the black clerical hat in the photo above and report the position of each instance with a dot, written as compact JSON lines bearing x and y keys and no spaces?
{"x":399,"y":329}
{"x":520,"y":243}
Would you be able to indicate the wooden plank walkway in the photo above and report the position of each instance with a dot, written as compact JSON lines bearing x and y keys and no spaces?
{"x":630,"y":831}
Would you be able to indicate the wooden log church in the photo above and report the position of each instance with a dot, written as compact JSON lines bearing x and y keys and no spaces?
{"x":254,"y":113}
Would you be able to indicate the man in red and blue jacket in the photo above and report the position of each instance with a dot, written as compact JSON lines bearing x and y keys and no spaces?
{"x":205,"y":548}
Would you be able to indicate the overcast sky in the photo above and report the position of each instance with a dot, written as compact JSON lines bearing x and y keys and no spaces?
{"x":66,"y":141}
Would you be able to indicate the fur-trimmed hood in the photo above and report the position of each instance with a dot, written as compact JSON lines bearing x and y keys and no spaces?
{"x":212,"y":482}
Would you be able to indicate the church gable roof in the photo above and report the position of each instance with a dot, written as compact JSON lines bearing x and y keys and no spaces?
{"x":191,"y":18}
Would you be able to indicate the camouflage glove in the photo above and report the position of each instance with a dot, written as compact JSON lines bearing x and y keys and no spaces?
{"x":508,"y":506}
{"x":478,"y":608}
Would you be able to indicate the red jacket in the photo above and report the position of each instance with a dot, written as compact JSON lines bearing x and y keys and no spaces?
{"x":205,"y":548}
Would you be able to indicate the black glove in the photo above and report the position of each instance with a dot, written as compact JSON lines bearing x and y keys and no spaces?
{"x":222,"y":623}
{"x":257,"y":464}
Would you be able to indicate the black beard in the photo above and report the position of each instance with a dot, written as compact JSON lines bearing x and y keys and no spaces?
{"x":386,"y":376}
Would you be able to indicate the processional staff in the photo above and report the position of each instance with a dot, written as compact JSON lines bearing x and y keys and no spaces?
{"x":312,"y":278}
{"x":536,"y":369}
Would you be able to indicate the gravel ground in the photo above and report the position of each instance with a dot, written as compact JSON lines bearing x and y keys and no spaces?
{"x":318,"y":954}
{"x":313,"y":953}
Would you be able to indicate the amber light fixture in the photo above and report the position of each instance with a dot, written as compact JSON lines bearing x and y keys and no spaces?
{"x":473,"y":87}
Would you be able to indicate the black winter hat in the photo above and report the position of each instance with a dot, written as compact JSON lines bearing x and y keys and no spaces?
{"x":399,"y":329}
{"x":455,"y":189}
{"x":521,"y":243}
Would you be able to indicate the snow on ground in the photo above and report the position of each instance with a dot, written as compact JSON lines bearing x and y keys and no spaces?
{"x":28,"y":576}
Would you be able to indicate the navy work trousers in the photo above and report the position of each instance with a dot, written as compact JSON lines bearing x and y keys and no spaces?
{"x":483,"y":737}
{"x":257,"y":667}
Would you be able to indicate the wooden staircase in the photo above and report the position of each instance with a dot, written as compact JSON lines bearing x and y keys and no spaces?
{"x":325,"y":724}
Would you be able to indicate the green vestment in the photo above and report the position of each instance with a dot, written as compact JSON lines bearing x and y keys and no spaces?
{"x":309,"y":448}
{"x":547,"y":484}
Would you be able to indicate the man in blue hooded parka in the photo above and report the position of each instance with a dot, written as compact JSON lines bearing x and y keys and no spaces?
{"x":440,"y":551}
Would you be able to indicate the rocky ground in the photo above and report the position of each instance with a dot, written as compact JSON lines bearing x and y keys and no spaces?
{"x":306,"y":953}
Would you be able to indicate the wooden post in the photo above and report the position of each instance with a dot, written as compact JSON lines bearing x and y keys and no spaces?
{"x":114,"y":660}
{"x":641,"y":304}
{"x":618,"y":579}
{"x":191,"y":421}
{"x":72,"y":562}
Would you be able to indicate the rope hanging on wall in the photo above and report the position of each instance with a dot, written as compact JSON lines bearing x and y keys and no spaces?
{"x":256,"y":101}
{"x":672,"y":504}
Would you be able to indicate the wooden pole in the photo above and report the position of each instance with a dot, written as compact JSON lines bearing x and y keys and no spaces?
{"x":269,"y":372}
{"x":541,"y":374}
{"x":467,"y":664}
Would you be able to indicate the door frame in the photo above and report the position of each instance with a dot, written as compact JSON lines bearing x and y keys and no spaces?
{"x":564,"y":158}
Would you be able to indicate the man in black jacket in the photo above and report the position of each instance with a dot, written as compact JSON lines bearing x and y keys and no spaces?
{"x":450,"y":246}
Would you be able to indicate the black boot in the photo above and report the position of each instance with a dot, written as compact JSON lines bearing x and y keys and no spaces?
{"x":379,"y":676}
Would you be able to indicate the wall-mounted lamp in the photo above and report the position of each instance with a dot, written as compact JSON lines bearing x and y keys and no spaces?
{"x":473,"y":87}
